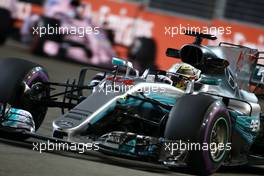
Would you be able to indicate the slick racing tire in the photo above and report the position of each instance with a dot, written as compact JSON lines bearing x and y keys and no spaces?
{"x":143,"y":53}
{"x":202,"y":120}
{"x":15,"y":76}
{"x":6,"y":23}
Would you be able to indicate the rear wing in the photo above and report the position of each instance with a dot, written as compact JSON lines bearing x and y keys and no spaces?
{"x":242,"y":62}
{"x":248,"y":66}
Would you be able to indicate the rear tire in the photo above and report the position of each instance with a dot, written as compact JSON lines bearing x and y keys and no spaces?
{"x":6,"y":25}
{"x":143,"y":53}
{"x":207,"y":123}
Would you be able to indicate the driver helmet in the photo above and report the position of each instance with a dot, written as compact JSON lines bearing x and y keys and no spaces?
{"x":182,"y":73}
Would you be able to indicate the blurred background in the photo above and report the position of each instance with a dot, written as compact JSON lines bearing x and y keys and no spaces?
{"x":133,"y":29}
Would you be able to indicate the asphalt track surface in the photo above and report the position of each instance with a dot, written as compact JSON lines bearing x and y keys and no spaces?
{"x":19,"y":159}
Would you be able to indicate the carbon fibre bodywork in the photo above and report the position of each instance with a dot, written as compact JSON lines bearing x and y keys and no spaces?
{"x":243,"y":107}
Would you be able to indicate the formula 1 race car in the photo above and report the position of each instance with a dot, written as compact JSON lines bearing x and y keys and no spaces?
{"x":199,"y":113}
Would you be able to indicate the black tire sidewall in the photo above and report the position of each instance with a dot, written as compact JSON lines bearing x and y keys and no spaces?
{"x":143,"y":53}
{"x":191,"y":120}
{"x":216,"y":111}
{"x":38,"y":77}
{"x":6,"y":25}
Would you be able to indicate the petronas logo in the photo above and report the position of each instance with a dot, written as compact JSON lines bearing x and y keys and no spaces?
{"x":254,"y":125}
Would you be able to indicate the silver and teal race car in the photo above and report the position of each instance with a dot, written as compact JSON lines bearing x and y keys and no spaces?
{"x":201,"y":113}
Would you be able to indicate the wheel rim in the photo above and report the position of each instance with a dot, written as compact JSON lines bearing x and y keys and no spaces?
{"x":219,"y":136}
{"x":38,"y":112}
{"x":36,"y":76}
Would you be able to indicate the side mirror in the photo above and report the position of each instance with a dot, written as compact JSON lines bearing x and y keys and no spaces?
{"x":120,"y":62}
{"x":171,"y":52}
{"x":124,"y":63}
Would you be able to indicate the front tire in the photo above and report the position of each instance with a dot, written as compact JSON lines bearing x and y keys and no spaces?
{"x":14,"y":74}
{"x":207,"y":123}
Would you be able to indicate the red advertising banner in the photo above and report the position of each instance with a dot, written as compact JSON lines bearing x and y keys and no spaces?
{"x":131,"y":20}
